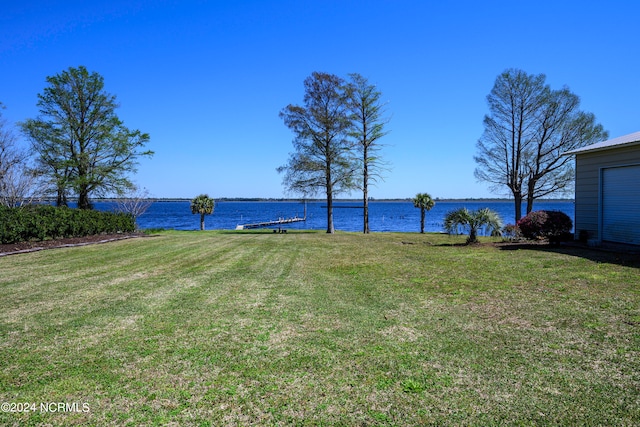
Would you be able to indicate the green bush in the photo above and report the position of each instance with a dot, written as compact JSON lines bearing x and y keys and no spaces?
{"x":43,"y":222}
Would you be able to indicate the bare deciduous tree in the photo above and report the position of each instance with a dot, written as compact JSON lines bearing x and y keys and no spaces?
{"x":509,"y":128}
{"x":19,"y":183}
{"x":561,"y":127}
{"x":528,"y":128}
{"x":134,"y":202}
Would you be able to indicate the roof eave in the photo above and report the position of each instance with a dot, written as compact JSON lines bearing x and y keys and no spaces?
{"x":605,"y":148}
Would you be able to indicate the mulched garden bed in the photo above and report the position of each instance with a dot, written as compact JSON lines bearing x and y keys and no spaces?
{"x":24,"y":247}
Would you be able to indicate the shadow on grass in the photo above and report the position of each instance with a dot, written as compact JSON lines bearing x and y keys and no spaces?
{"x":629,"y":257}
{"x":457,"y":244}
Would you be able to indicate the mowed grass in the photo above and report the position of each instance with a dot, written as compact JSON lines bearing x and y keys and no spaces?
{"x":231,"y":328}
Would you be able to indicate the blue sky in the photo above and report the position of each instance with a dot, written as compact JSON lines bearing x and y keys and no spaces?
{"x":207,"y":79}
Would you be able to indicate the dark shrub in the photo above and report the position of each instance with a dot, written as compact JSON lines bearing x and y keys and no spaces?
{"x":552,"y":225}
{"x":42,"y":222}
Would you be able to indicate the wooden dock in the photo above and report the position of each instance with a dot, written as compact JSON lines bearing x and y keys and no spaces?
{"x":280,"y":221}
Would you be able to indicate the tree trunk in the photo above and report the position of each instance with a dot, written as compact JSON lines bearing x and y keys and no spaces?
{"x":365,"y":229}
{"x":473,"y":235}
{"x":365,"y":192}
{"x":201,"y":221}
{"x":61,"y":200}
{"x":422,"y":213}
{"x":529,"y":204}
{"x":530,"y":198}
{"x":83,"y":199}
{"x":518,"y":205}
{"x":330,"y":228}
{"x":329,"y":186}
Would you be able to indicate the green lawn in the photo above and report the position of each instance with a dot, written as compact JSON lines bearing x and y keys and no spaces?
{"x":242,"y":328}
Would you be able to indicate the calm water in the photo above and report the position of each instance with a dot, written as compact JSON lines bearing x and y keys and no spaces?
{"x":383,"y":216}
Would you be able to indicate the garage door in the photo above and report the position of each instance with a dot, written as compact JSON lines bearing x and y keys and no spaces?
{"x":621,"y":204}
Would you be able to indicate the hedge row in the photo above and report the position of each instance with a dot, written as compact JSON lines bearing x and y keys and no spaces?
{"x":43,"y":222}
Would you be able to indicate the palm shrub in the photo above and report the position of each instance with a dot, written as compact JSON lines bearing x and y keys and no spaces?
{"x":482,"y":219}
{"x":425,"y":203}
{"x":202,"y":204}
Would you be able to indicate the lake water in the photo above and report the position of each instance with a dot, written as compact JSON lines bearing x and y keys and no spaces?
{"x":383,"y":216}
